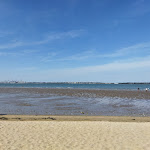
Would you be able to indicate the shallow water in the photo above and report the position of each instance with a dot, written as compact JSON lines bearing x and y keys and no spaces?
{"x":78,"y":86}
{"x":46,"y":104}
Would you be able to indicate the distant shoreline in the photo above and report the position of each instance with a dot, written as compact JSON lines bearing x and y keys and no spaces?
{"x":24,"y":82}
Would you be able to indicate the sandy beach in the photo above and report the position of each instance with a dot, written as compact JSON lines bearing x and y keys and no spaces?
{"x":74,"y":135}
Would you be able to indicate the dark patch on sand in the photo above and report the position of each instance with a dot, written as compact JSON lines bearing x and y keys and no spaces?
{"x":3,"y":118}
{"x":51,"y":118}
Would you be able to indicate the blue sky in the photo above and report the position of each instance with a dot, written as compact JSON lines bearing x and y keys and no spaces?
{"x":75,"y":40}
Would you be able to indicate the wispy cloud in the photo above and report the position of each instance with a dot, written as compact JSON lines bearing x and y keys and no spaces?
{"x":130,"y":51}
{"x":140,"y":7}
{"x":138,"y":2}
{"x":115,"y":66}
{"x":49,"y":57}
{"x":134,"y":49}
{"x":57,"y":36}
{"x":29,"y":51}
{"x":135,"y":10}
{"x":110,"y":72}
{"x":6,"y":54}
{"x":115,"y":71}
{"x":18,"y":53}
{"x":49,"y":38}
{"x":11,"y":45}
{"x":5,"y":33}
{"x":27,"y":69}
{"x":80,"y":56}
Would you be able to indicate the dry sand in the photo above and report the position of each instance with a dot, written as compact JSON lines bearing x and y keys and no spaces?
{"x":63,"y":135}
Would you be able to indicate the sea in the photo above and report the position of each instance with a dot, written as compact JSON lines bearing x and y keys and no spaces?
{"x":78,"y":85}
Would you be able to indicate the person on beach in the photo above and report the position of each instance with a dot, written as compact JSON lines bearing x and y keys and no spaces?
{"x":146,"y":89}
{"x":138,"y":89}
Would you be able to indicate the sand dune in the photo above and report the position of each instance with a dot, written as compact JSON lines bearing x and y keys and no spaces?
{"x":74,"y":135}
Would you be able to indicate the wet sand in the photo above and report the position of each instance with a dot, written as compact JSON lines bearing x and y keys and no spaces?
{"x":88,"y":102}
{"x":74,"y":135}
{"x":82,"y":92}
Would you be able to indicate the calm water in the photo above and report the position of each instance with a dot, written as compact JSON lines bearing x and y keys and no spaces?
{"x":87,"y":86}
